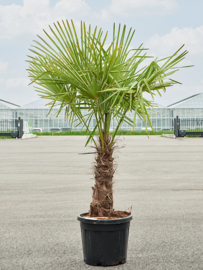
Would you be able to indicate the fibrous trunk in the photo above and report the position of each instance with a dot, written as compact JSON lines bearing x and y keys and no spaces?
{"x":102,"y":200}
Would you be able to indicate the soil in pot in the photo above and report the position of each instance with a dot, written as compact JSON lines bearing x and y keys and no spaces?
{"x":114,"y":215}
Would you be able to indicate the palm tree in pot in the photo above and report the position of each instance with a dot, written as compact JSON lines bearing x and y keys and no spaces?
{"x":83,"y":74}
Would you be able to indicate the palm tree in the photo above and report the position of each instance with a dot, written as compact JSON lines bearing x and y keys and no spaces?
{"x":83,"y":73}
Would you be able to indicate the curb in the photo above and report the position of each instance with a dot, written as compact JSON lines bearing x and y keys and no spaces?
{"x":171,"y":136}
{"x":28,"y":136}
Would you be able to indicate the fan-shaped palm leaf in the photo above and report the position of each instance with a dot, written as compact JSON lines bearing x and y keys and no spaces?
{"x":79,"y":73}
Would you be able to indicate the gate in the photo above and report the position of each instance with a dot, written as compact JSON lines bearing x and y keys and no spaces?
{"x":12,"y":127}
{"x":191,"y":126}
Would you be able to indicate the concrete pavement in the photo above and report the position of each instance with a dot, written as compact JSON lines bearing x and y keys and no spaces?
{"x":45,"y":184}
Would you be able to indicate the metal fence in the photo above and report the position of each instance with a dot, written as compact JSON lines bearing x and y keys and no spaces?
{"x":11,"y":127}
{"x":7,"y":125}
{"x":192,"y":124}
{"x":184,"y":127}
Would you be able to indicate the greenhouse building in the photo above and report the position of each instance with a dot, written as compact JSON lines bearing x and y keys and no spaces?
{"x":189,"y":110}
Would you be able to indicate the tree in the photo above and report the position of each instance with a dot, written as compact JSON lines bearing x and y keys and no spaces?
{"x":82,"y":73}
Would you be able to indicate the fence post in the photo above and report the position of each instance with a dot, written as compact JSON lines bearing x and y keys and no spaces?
{"x":176,"y":126}
{"x":19,"y":126}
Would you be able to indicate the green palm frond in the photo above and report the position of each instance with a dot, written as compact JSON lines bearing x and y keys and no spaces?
{"x":81,"y":72}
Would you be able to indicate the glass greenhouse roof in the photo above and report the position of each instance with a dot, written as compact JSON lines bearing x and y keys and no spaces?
{"x":193,"y":102}
{"x":38,"y":104}
{"x":42,"y":104}
{"x":7,"y":105}
{"x":3,"y":106}
{"x":160,"y":106}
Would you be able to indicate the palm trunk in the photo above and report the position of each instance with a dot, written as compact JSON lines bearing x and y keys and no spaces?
{"x":102,"y":200}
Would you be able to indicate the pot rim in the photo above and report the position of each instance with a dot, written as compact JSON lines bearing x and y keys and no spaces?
{"x":103,"y":221}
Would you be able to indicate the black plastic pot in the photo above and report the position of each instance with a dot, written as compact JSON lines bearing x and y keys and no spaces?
{"x":104,"y":241}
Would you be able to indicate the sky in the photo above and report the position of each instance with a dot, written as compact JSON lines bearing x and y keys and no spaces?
{"x":161,"y":25}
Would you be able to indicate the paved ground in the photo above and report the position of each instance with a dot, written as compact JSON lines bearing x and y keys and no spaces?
{"x":44,"y":184}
